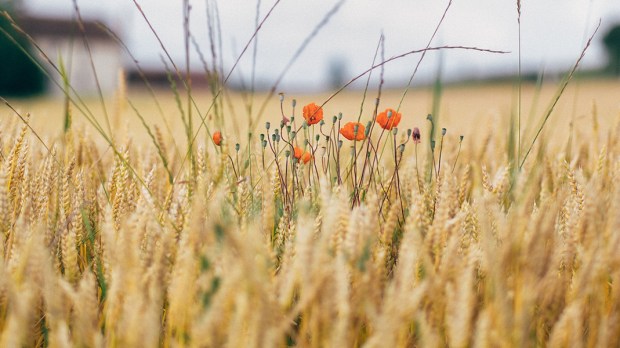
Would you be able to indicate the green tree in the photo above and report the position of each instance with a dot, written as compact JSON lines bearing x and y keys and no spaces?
{"x":612,"y":44}
{"x":19,"y":76}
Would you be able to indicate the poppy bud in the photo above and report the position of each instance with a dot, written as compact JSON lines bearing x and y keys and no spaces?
{"x":408,"y":132}
{"x":443,"y":131}
{"x":294,"y":102}
{"x":317,"y":137}
{"x":237,"y":147}
{"x":267,"y":125}
{"x":287,"y":153}
{"x":462,"y":136}
{"x":335,"y":119}
{"x":416,"y":135}
{"x":340,"y":116}
{"x":262,"y":137}
{"x":395,"y":131}
{"x":264,"y":143}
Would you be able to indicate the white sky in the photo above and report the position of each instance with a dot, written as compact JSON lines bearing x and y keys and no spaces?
{"x":553,"y":33}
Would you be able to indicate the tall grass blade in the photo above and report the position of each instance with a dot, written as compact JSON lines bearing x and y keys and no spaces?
{"x":65,"y":82}
{"x":558,"y":95}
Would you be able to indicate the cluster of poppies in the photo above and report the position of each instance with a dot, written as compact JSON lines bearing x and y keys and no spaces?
{"x":313,"y":114}
{"x":388,"y":119}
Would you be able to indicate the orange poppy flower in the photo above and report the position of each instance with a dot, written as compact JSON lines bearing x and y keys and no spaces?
{"x":298,"y":152}
{"x":217,"y":138}
{"x":301,"y":155}
{"x":348,"y":131}
{"x":386,"y":122}
{"x":306,"y":157}
{"x":313,"y":113}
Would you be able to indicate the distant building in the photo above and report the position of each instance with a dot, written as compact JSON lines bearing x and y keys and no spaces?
{"x":61,"y":37}
{"x":160,"y":78}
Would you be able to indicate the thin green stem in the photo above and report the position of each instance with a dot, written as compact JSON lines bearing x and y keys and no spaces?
{"x":558,"y":94}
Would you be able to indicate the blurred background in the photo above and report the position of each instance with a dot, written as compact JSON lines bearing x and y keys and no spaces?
{"x":343,"y":38}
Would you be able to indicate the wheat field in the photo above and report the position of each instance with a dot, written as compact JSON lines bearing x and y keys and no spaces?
{"x":147,"y":240}
{"x":471,"y":215}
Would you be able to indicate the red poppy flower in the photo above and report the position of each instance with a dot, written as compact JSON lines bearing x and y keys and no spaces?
{"x":349,"y":132}
{"x":306,"y":157}
{"x":313,"y":113}
{"x":301,"y":155}
{"x":389,"y":119}
{"x":217,"y":138}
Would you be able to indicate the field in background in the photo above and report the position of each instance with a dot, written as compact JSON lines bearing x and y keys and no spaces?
{"x":468,"y":110}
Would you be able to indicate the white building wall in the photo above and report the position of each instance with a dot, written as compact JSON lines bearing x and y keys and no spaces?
{"x":106,"y":57}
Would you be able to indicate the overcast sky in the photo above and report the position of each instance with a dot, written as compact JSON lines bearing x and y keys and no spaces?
{"x":553,"y":33}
